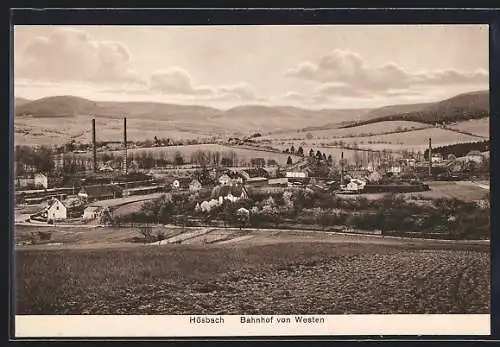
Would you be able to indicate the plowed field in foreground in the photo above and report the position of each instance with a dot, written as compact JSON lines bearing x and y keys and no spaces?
{"x":278,"y":278}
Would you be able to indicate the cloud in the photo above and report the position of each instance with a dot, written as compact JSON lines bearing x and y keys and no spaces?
{"x":344,"y":72}
{"x":72,"y":55}
{"x":177,"y":81}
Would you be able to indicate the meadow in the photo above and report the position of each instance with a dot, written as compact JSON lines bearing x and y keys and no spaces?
{"x":269,"y":278}
{"x":363,"y":130}
{"x":480,"y":127}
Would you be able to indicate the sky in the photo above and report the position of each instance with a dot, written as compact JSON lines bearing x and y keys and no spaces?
{"x":350,"y":66}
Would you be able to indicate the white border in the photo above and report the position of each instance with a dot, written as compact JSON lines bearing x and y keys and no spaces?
{"x":180,"y":326}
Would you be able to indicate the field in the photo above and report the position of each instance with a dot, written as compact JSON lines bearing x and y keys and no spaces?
{"x":38,"y":131}
{"x":363,"y":130}
{"x":480,"y":127}
{"x":415,"y":139}
{"x":276,"y":273}
{"x":465,"y":191}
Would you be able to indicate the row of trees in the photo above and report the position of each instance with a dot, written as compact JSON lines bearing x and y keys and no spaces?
{"x":391,"y":214}
{"x":38,"y":159}
{"x":460,"y":149}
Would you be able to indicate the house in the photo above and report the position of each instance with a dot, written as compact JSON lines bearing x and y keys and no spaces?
{"x":63,"y":209}
{"x":475,"y":156}
{"x":355,"y":185}
{"x":296,"y":174}
{"x":57,"y":211}
{"x":41,"y":180}
{"x":224,"y":180}
{"x":195,"y":186}
{"x":257,"y":181}
{"x":231,"y":193}
{"x":100,"y":192}
{"x":437,"y":158}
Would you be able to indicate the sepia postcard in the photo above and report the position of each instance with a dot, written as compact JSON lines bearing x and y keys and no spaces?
{"x":194,"y":181}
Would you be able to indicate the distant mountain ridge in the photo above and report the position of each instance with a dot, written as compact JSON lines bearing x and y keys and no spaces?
{"x":241,"y":119}
{"x":466,"y":106}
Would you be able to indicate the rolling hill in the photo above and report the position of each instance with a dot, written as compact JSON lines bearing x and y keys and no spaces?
{"x":20,"y":101}
{"x":39,"y":121}
{"x":474,"y":105}
{"x":57,"y":106}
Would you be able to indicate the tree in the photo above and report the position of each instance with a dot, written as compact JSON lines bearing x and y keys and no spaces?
{"x":309,"y":136}
{"x":178,"y":159}
{"x":318,"y":155}
{"x":300,"y":151}
{"x":324,"y":156}
{"x":289,"y":161}
{"x":272,"y":162}
{"x":311,"y":153}
{"x":292,"y":149}
{"x":147,"y":233}
{"x":43,"y":159}
{"x":330,"y":159}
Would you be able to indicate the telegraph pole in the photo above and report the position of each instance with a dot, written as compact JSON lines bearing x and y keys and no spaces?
{"x":341,"y":169}
{"x":430,"y":157}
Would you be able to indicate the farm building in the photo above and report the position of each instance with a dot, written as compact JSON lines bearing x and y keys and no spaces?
{"x":101,"y":192}
{"x":257,"y":181}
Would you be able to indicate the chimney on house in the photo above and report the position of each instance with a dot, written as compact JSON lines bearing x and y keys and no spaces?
{"x":94,"y":149}
{"x":125,"y":159}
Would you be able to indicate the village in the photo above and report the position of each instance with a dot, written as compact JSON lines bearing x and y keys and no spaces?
{"x":100,"y":187}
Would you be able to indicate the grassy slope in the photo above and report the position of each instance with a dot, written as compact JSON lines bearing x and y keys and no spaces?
{"x":474,"y":105}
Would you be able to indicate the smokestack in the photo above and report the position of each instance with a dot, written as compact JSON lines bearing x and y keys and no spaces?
{"x":94,"y":149}
{"x":125,"y":159}
{"x":342,"y":169}
{"x":430,"y":157}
